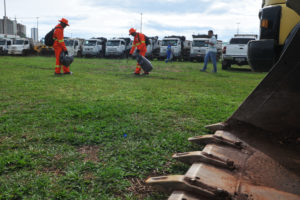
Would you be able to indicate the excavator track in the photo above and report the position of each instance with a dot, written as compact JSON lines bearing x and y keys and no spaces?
{"x":255,"y":154}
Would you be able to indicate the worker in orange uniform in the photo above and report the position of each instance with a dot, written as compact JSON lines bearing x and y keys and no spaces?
{"x":60,"y":46}
{"x":139,"y":43}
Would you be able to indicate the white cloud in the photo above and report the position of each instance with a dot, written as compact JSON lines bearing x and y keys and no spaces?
{"x":102,"y":18}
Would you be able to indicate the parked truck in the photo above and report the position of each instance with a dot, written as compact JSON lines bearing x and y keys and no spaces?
{"x":118,"y":47}
{"x":179,"y":45}
{"x":74,"y":46}
{"x":235,"y":53}
{"x":200,"y":47}
{"x":152,"y":48}
{"x":277,"y":23}
{"x":5,"y":43}
{"x":21,"y":46}
{"x":94,"y":47}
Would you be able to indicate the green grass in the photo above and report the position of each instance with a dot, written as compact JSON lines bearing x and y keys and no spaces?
{"x":64,"y":137}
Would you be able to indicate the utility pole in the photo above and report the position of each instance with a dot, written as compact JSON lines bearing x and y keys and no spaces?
{"x":141,"y":22}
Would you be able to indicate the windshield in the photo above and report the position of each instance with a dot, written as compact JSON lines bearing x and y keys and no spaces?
{"x":240,"y":40}
{"x":19,"y":42}
{"x":90,"y":43}
{"x":2,"y":42}
{"x":69,"y":43}
{"x":199,"y":43}
{"x":113,"y":43}
{"x":169,"y":42}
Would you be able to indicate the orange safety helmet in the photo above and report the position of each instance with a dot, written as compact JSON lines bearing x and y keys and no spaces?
{"x":65,"y":21}
{"x":131,"y":31}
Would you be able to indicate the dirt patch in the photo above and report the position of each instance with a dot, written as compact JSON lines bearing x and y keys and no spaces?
{"x":126,"y":67}
{"x":90,"y":152}
{"x":139,"y":188}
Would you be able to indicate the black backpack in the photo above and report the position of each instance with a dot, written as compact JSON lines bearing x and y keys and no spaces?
{"x":49,"y":41}
{"x":147,"y":40}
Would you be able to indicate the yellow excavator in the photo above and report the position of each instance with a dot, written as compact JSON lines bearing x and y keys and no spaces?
{"x":255,"y":154}
{"x":278,"y":21}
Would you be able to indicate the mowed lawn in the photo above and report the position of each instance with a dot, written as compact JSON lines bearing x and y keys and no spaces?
{"x":100,"y":133}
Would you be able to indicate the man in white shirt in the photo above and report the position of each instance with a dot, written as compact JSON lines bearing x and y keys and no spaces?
{"x":212,"y":52}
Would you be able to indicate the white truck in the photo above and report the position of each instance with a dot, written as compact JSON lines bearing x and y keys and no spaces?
{"x":152,"y":48}
{"x":21,"y":46}
{"x":94,"y":47}
{"x":200,"y":47}
{"x":235,"y":53}
{"x":118,"y":47}
{"x":5,"y":43}
{"x":74,"y":46}
{"x":180,"y":47}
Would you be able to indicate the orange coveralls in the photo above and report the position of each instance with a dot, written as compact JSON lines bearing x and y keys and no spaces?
{"x":59,"y":46}
{"x":139,"y":43}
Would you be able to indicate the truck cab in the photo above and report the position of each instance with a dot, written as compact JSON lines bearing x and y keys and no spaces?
{"x":277,"y":21}
{"x":176,"y":43}
{"x":21,"y":46}
{"x":5,"y":43}
{"x":117,"y":47}
{"x":235,"y":53}
{"x":94,"y":47}
{"x":74,"y":46}
{"x":152,"y":47}
{"x":199,"y":47}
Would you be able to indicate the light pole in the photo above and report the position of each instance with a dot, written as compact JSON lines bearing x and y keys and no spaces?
{"x":4,"y":17}
{"x":141,"y":22}
{"x":238,"y":27}
{"x":4,"y":8}
{"x":37,"y":27}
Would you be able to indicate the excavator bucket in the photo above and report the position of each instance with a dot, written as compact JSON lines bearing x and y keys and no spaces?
{"x":255,"y":154}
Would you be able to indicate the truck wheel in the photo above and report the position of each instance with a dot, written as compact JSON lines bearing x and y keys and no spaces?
{"x":79,"y":54}
{"x":226,"y":65}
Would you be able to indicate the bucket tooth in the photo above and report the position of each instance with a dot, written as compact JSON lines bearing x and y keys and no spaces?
{"x":180,"y":195}
{"x":214,"y":139}
{"x":216,"y":127}
{"x":169,"y":184}
{"x":200,"y":156}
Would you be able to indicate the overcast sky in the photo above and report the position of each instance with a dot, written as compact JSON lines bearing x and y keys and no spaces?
{"x":111,"y":18}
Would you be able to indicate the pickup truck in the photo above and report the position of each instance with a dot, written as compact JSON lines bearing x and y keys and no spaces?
{"x":235,"y":53}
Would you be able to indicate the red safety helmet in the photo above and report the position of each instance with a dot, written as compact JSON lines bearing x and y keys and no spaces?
{"x":131,"y":31}
{"x":65,"y":21}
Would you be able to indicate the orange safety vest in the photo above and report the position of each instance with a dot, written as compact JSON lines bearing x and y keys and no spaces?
{"x":58,"y":37}
{"x":139,"y":43}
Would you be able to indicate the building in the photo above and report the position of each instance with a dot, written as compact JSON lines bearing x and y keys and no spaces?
{"x":11,"y":27}
{"x":21,"y":30}
{"x":34,"y":34}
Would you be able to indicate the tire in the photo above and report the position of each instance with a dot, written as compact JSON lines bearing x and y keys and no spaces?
{"x":226,"y":65}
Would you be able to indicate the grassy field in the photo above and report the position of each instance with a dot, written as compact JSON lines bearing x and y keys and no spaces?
{"x":100,"y":133}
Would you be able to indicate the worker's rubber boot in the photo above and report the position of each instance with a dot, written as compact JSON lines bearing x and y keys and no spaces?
{"x":57,"y":71}
{"x":67,"y":70}
{"x":137,"y":71}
